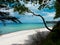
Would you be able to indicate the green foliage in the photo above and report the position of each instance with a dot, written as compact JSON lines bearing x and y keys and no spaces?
{"x":5,"y":15}
{"x":21,"y":9}
{"x":40,"y":1}
{"x":57,"y":7}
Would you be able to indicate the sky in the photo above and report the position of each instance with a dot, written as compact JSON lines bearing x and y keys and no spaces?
{"x":28,"y":18}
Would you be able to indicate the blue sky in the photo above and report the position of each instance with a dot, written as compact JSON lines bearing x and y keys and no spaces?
{"x":28,"y":18}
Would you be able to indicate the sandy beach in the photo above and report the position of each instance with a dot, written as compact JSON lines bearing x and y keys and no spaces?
{"x":18,"y":37}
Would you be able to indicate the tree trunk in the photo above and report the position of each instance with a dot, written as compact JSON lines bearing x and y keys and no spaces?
{"x":43,"y":21}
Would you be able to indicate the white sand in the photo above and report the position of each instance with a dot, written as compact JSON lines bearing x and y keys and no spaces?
{"x":18,"y":37}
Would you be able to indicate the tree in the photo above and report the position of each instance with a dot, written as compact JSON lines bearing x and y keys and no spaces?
{"x":21,"y":8}
{"x":5,"y":15}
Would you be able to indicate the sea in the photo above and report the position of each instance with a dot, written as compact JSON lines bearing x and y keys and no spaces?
{"x":13,"y":27}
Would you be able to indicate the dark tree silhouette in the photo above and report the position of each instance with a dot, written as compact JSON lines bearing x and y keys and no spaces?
{"x":6,"y":16}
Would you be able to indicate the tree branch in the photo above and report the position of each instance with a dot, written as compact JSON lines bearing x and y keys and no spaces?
{"x":43,"y":21}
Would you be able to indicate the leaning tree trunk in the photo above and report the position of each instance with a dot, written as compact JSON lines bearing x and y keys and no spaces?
{"x":43,"y":21}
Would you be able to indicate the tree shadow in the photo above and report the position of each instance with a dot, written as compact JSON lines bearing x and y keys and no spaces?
{"x":37,"y":38}
{"x":17,"y":44}
{"x":44,"y":38}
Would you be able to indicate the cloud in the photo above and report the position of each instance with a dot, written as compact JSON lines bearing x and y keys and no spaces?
{"x":51,"y":14}
{"x":32,"y":6}
{"x":48,"y":14}
{"x":28,"y":13}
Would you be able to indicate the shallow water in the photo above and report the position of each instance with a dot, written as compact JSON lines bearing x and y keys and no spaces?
{"x":18,"y":27}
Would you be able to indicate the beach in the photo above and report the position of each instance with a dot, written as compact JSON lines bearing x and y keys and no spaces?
{"x":19,"y":37}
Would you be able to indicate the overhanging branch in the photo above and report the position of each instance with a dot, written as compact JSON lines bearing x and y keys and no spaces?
{"x":43,"y":21}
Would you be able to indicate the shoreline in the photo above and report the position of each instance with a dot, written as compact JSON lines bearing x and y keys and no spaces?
{"x":23,"y":30}
{"x":19,"y":36}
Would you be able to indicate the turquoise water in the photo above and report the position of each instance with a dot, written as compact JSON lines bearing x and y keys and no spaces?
{"x":18,"y":27}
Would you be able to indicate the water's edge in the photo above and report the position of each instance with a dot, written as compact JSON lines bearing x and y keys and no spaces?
{"x":9,"y":28}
